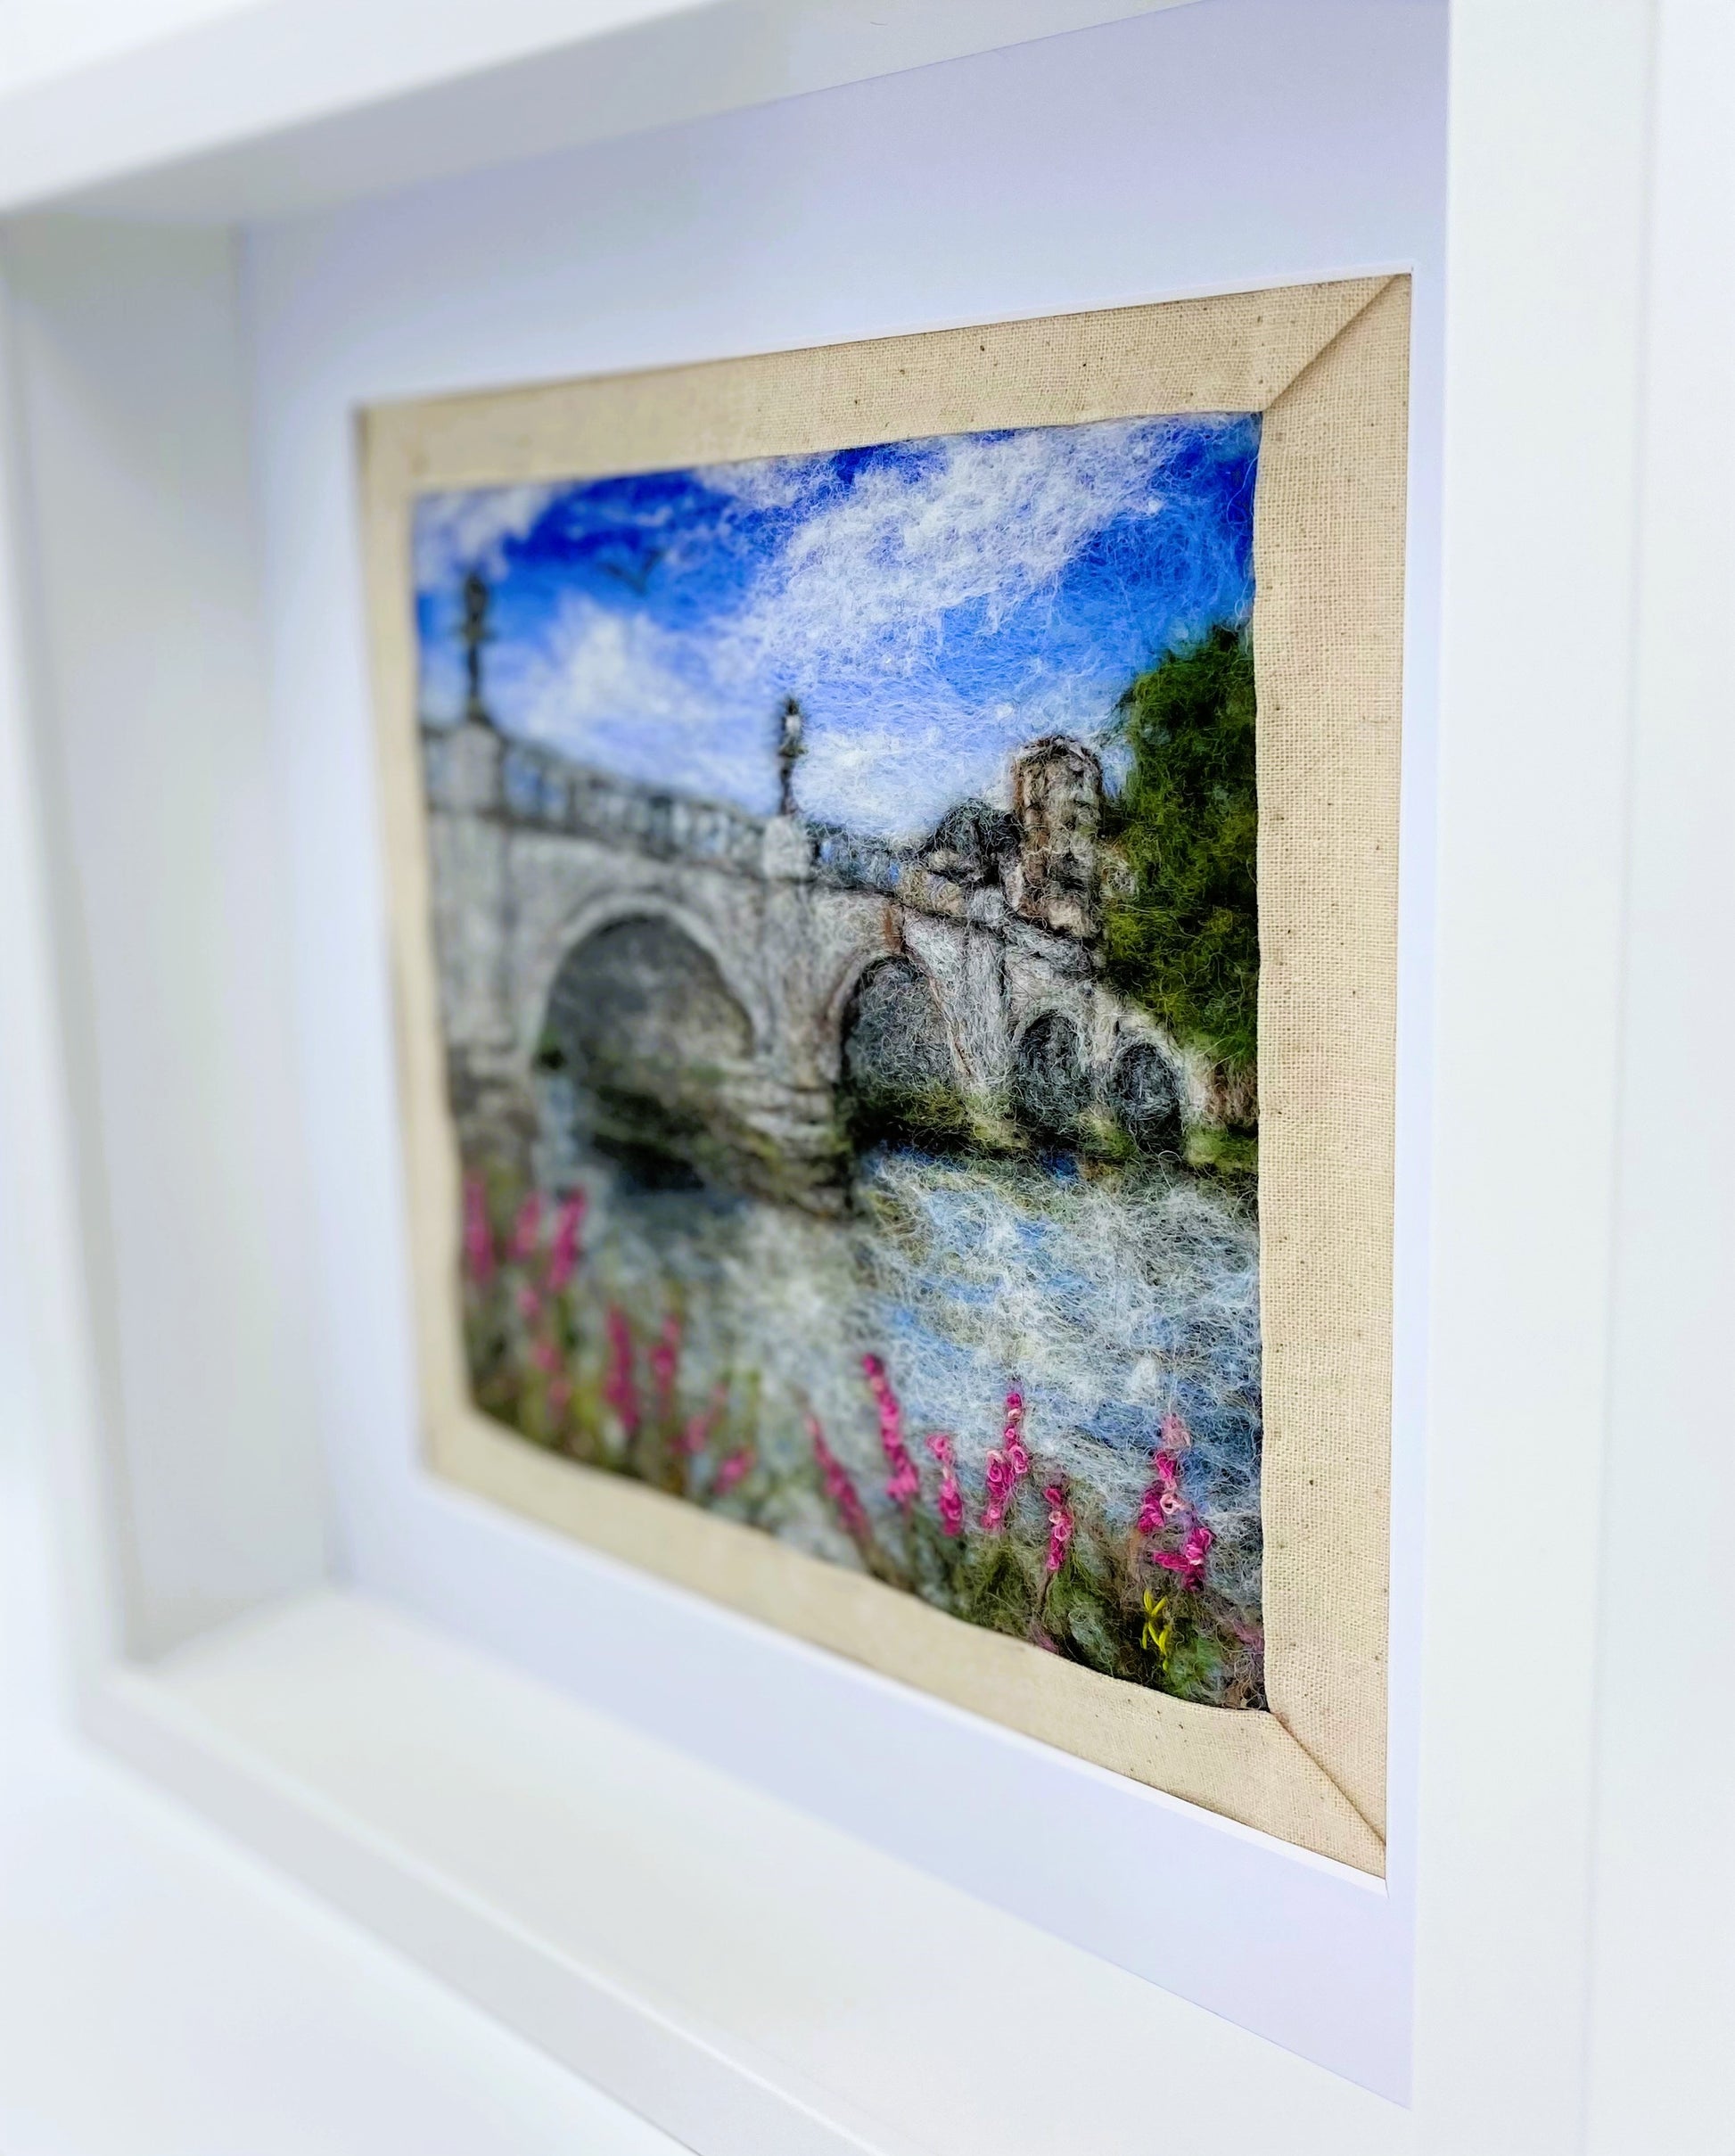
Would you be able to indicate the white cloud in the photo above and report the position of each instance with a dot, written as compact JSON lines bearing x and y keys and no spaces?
{"x":455,"y":534}
{"x":616,"y":689}
{"x":871,"y":574}
{"x":592,"y":663}
{"x":773,"y":482}
{"x":898,"y":780}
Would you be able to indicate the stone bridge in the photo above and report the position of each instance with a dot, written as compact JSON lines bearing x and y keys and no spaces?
{"x":712,"y":977}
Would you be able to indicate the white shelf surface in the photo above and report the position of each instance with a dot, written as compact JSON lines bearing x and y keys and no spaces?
{"x":758,"y":1981}
{"x":164,"y":1992}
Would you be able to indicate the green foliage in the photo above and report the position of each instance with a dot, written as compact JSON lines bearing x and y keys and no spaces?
{"x":1082,"y":1614}
{"x":1184,"y":939}
{"x":997,"y":1585}
{"x":1231,"y":1155}
{"x":932,"y":1117}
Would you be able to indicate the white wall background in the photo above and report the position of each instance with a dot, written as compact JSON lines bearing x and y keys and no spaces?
{"x":1231,"y":143}
{"x":41,"y":38}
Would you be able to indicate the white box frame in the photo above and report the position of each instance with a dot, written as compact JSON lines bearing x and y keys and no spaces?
{"x":1590,"y":250}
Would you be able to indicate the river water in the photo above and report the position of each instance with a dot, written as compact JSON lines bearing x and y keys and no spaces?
{"x":1109,"y":1298}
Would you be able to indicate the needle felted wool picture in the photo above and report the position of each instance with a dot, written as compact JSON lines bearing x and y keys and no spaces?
{"x":840,"y":892}
{"x":868,"y":842}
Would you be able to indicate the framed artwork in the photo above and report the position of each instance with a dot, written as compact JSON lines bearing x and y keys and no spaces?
{"x":893,"y":855}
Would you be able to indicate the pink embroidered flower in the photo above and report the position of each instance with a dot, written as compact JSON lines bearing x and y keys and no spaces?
{"x":620,"y":1389}
{"x":1012,"y":1436}
{"x":701,"y":1428}
{"x":563,"y":1255}
{"x":999,"y":1480}
{"x":665,"y":1364}
{"x":478,"y":1234}
{"x":732,"y":1471}
{"x":527,"y":1228}
{"x":904,"y":1483}
{"x":1006,"y":1466}
{"x":530,"y":1304}
{"x":1060,"y":1525}
{"x":951,"y":1498}
{"x":838,"y":1486}
{"x":1187,"y":1562}
{"x":545,"y":1356}
{"x":1164,"y":1506}
{"x":1162,"y":1500}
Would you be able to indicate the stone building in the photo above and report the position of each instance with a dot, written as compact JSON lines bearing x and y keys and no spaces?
{"x":1057,"y":804}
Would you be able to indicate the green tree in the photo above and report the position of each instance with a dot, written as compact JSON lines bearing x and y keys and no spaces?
{"x":1183,"y":939}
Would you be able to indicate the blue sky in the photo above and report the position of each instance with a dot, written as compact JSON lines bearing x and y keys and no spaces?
{"x":931,"y":603}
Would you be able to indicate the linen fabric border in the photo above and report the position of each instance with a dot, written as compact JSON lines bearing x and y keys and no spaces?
{"x":1328,"y":365}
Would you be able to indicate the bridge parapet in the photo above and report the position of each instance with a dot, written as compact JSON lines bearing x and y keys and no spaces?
{"x":855,"y":862}
{"x":470,"y":770}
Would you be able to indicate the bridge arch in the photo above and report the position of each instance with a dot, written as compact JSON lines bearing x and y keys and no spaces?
{"x":840,"y":1005}
{"x":898,"y":1070}
{"x":1051,"y":1076}
{"x":609,"y":910}
{"x":645,"y":1050}
{"x":1143,"y":1090}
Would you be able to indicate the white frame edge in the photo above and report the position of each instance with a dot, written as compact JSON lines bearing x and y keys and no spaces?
{"x":287,"y":105}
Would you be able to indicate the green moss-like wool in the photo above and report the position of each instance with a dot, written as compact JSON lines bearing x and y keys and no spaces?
{"x":1185,"y":939}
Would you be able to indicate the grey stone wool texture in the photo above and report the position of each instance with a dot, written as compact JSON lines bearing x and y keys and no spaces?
{"x":1328,"y":365}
